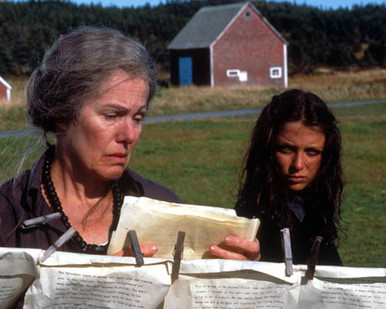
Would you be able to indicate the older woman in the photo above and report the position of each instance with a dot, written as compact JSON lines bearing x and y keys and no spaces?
{"x":293,"y":177}
{"x":91,"y":91}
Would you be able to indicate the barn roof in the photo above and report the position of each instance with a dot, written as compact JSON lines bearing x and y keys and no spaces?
{"x":8,"y":86}
{"x":208,"y":23}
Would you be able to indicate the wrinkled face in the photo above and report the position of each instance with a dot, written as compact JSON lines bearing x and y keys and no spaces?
{"x":99,"y":143}
{"x":299,"y":154}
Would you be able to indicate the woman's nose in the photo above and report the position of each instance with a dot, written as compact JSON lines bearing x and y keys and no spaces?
{"x":127,"y":132}
{"x":298,"y":161}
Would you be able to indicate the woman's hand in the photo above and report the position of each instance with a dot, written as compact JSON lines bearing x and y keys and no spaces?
{"x":147,"y":251}
{"x":235,"y":248}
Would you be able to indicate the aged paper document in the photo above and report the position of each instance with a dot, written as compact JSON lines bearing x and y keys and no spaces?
{"x":236,"y":284}
{"x":158,"y":222}
{"x":69,"y":280}
{"x":85,"y":281}
{"x":233,"y":284}
{"x":345,"y":287}
{"x":17,"y":272}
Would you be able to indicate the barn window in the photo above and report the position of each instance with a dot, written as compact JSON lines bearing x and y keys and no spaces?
{"x":242,"y":75}
{"x":247,"y":14}
{"x":275,"y":72}
{"x":233,"y":73}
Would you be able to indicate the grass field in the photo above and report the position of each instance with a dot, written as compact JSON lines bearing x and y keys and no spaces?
{"x":201,"y":161}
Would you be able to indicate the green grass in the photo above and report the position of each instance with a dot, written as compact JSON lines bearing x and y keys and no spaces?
{"x":17,"y":154}
{"x":364,"y":204}
{"x":201,"y":161}
{"x":13,"y":118}
{"x":198,"y":159}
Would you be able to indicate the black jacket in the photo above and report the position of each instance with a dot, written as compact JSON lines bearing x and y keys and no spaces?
{"x":301,"y":242}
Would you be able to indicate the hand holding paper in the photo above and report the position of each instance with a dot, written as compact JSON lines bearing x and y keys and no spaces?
{"x":158,"y":222}
{"x":235,"y":248}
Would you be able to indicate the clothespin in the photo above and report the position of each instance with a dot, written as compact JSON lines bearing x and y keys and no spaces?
{"x":40,"y":220}
{"x":178,"y":250}
{"x":313,"y":258}
{"x":61,"y":240}
{"x":287,"y":251}
{"x":135,"y":248}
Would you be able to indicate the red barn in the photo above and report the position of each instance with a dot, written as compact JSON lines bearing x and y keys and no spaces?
{"x":228,"y":45}
{"x":5,"y":90}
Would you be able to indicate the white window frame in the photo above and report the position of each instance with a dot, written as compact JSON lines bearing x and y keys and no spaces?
{"x":233,"y":73}
{"x":272,"y":72}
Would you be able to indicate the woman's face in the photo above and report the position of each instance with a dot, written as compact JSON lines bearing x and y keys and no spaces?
{"x":100,"y":141}
{"x":299,"y":153}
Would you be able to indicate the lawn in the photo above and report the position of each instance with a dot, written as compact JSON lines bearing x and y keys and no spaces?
{"x":201,"y":161}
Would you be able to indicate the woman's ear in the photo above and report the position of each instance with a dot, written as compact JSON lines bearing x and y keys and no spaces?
{"x":61,"y":127}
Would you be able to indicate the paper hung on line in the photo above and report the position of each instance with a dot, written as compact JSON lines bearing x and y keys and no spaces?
{"x":231,"y":284}
{"x":345,"y":287}
{"x":72,"y":280}
{"x":158,"y":222}
{"x":17,"y":272}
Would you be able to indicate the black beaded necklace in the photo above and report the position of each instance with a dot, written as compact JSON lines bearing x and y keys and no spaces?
{"x":54,"y":201}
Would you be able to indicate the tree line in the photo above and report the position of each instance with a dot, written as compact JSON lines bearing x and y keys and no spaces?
{"x":331,"y":38}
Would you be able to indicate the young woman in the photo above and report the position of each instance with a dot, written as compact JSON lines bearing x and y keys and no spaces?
{"x":293,"y":177}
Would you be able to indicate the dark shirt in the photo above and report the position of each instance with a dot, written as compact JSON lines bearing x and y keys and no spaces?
{"x":306,"y":226}
{"x":21,"y":199}
{"x":269,"y":237}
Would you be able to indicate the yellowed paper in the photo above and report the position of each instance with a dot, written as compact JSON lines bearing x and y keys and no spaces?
{"x":345,"y":287}
{"x":158,"y":222}
{"x":69,"y":280}
{"x":219,"y":284}
{"x":17,"y":272}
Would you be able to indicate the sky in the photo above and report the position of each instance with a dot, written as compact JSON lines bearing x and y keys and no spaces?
{"x":323,"y":4}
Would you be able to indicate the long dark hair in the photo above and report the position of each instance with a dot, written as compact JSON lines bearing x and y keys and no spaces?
{"x":261,"y":192}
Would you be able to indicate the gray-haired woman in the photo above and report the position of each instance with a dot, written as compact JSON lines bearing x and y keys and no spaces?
{"x":92,"y":91}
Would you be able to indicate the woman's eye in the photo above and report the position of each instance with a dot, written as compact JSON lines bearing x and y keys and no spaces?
{"x":139,"y":118}
{"x":110,"y":116}
{"x":284,"y":149}
{"x":313,"y":152}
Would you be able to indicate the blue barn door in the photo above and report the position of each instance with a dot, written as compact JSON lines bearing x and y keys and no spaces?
{"x":185,"y":70}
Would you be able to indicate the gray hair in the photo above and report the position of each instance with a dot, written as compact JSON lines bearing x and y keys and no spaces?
{"x":73,"y":69}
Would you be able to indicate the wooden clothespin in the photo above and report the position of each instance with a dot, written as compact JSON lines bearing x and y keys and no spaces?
{"x":60,"y":242}
{"x":178,"y":250}
{"x":287,"y":251}
{"x":313,"y":258}
{"x":40,"y":220}
{"x":136,"y":248}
